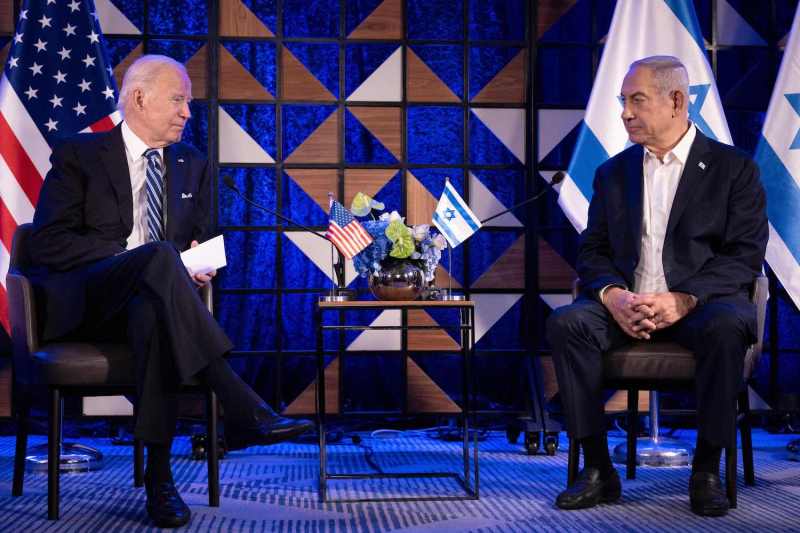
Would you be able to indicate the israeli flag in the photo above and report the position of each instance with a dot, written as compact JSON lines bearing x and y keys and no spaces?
{"x":778,"y":156}
{"x":640,"y":28}
{"x":454,"y":218}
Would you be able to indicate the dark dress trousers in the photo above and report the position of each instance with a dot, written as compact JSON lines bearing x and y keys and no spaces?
{"x":89,"y":286}
{"x":714,"y":247}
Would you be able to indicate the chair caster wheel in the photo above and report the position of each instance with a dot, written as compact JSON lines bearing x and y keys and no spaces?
{"x":532,"y":442}
{"x":551,"y":443}
{"x":512,"y":434}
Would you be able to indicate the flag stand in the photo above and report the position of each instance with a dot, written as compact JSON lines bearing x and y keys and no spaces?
{"x":336,"y":294}
{"x":447,"y":295}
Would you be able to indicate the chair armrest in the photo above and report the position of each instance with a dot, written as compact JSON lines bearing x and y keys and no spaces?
{"x":758,"y":295}
{"x":207,"y":295}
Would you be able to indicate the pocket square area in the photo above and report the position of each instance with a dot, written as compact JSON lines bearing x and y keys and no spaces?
{"x":185,"y":195}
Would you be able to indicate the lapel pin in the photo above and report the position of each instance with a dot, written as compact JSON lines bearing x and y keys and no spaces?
{"x":180,"y":160}
{"x":701,"y":165}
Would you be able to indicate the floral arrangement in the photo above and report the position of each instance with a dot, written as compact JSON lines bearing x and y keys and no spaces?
{"x":394,"y":241}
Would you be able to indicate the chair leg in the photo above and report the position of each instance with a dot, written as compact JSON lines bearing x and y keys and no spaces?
{"x":54,"y":453}
{"x":747,"y":438}
{"x":138,"y":462}
{"x":212,"y":451}
{"x":23,"y":410}
{"x":633,"y":433}
{"x":730,"y":474}
{"x":573,"y":461}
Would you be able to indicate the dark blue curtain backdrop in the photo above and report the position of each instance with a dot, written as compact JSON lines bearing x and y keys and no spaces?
{"x":285,"y":81}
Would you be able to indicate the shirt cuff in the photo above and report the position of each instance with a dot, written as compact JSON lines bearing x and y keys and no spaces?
{"x":602,"y":291}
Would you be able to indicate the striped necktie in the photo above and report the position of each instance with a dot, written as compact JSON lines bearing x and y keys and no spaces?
{"x":155,"y":195}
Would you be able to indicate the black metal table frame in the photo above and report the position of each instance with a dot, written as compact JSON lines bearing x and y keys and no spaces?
{"x":466,"y":327}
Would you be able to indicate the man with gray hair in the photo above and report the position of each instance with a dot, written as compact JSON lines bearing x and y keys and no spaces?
{"x":114,"y":213}
{"x":677,"y":232}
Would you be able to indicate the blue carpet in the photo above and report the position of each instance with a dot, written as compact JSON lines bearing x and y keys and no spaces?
{"x":275,"y":489}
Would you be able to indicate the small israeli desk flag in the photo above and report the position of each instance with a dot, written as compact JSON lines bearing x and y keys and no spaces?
{"x":453,"y":217}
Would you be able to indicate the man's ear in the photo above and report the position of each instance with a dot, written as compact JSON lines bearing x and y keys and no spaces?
{"x":138,"y":98}
{"x":678,"y":101}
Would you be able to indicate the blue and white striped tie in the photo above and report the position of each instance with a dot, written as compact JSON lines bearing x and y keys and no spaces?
{"x":155,"y":195}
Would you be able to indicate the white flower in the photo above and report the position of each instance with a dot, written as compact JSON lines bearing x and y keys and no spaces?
{"x":440,"y":242}
{"x":420,"y":232}
{"x":395,"y":216}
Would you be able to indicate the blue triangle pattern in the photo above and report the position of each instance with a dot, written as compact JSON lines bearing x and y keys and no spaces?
{"x":300,"y":121}
{"x":485,"y":148}
{"x":361,"y":60}
{"x":447,"y":62}
{"x":181,"y":51}
{"x":118,"y":49}
{"x":573,"y":25}
{"x":358,"y":11}
{"x":300,"y":272}
{"x":259,"y":60}
{"x":321,"y":59}
{"x":485,"y":248}
{"x":363,"y":147}
{"x":265,"y":10}
{"x":299,"y":206}
{"x":560,"y":155}
{"x":311,"y":18}
{"x":505,"y":333}
{"x":133,"y":11}
{"x":507,"y":185}
{"x":257,"y":120}
{"x":485,"y":62}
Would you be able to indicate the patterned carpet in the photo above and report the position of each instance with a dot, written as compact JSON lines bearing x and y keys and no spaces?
{"x":275,"y":489}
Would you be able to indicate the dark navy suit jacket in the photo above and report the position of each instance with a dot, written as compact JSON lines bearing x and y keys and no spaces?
{"x":717,"y":231}
{"x":85,"y":214}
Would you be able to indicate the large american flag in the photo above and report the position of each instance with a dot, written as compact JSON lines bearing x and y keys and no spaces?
{"x":57,"y":82}
{"x":345,"y":232}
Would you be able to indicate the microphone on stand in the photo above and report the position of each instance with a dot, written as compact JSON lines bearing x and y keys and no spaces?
{"x":338,"y":267}
{"x":558,"y":177}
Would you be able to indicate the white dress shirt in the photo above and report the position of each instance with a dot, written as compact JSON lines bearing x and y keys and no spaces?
{"x":661,"y":178}
{"x":137,"y":167}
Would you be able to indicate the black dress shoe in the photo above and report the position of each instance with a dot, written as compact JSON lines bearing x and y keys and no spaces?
{"x":164,"y":505}
{"x":706,"y":495}
{"x":264,"y":429}
{"x":589,"y":490}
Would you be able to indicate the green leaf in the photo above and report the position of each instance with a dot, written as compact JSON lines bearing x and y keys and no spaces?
{"x":402,"y":239}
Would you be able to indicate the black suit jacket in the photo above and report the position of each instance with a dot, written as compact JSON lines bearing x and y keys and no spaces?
{"x":85,"y":214}
{"x":717,"y":231}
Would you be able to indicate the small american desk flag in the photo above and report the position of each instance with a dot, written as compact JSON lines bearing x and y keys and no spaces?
{"x":57,"y":82}
{"x":345,"y":232}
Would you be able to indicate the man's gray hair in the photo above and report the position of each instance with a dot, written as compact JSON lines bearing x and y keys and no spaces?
{"x":142,"y":74}
{"x":669,"y":73}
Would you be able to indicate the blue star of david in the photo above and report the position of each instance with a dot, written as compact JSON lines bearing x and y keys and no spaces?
{"x":696,"y":107}
{"x":794,"y":101}
{"x":449,"y":214}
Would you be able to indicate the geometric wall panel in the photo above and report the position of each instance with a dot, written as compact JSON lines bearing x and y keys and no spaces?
{"x":732,"y":29}
{"x":237,"y":20}
{"x":384,"y":22}
{"x":178,"y":17}
{"x":310,"y":71}
{"x":498,"y":19}
{"x":507,"y":126}
{"x":311,"y":134}
{"x":383,"y":123}
{"x":489,"y":308}
{"x":112,"y":20}
{"x":122,"y":66}
{"x":374,"y":72}
{"x":508,"y":85}
{"x":236,"y":82}
{"x":236,"y":145}
{"x":311,"y":18}
{"x":435,"y":19}
{"x":368,"y":181}
{"x":485,"y":204}
{"x":434,"y":73}
{"x":553,"y":125}
{"x":508,"y":271}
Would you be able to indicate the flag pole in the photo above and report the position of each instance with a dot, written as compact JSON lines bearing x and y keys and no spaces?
{"x":337,"y":294}
{"x":448,"y":295}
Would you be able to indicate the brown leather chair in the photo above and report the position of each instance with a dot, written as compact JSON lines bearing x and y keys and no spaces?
{"x":668,"y":366}
{"x":74,"y":368}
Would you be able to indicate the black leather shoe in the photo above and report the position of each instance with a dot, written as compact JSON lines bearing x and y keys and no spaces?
{"x":164,"y":505}
{"x":589,"y":490}
{"x":706,"y":495}
{"x":266,"y":427}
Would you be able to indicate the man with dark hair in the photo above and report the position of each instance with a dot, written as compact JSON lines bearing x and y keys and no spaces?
{"x":114,"y":212}
{"x":677,"y":232}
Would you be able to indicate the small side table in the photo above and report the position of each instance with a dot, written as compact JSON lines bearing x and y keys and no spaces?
{"x":468,"y":479}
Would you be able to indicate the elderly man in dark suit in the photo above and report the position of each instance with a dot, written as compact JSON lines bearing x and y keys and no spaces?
{"x":114,"y":213}
{"x":677,"y":232}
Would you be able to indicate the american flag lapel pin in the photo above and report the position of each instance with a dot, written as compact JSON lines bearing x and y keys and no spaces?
{"x":701,"y":165}
{"x":180,"y":160}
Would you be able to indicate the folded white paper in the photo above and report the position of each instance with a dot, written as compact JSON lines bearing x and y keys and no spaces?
{"x":206,"y":256}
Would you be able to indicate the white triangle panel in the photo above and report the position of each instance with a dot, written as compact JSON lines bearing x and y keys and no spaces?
{"x":732,"y":29}
{"x":380,"y":340}
{"x":236,"y":145}
{"x":555,"y":301}
{"x":553,"y":125}
{"x":385,"y":84}
{"x":107,"y":406}
{"x":508,"y":125}
{"x":485,"y":204}
{"x":319,"y":253}
{"x":489,"y":308}
{"x":112,"y":20}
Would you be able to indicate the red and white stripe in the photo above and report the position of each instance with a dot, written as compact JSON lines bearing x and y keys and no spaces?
{"x":24,"y":162}
{"x":350,"y":239}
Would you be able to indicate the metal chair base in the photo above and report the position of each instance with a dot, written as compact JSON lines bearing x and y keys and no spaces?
{"x":74,"y":458}
{"x":661,"y":452}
